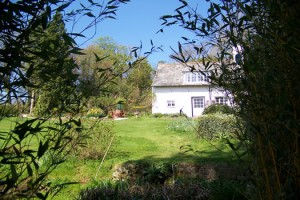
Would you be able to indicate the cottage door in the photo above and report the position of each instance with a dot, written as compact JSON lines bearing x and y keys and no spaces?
{"x":197,"y":106}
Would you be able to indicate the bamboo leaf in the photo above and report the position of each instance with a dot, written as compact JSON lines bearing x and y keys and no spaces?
{"x":77,"y":34}
{"x":112,"y":7}
{"x":42,"y":148}
{"x":29,"y":71}
{"x":89,"y":14}
{"x":64,"y":6}
{"x":40,"y":195}
{"x":98,"y":59}
{"x":29,"y":170}
{"x":14,"y":173}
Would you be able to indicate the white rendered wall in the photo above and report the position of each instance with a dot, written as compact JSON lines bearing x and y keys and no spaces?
{"x":182,"y":97}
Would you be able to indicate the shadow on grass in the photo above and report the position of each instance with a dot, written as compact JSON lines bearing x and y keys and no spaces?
{"x":190,"y":156}
{"x":206,"y":165}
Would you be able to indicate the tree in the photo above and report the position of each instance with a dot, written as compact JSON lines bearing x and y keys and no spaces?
{"x":28,"y":59}
{"x":55,"y":76}
{"x":103,"y":79}
{"x":257,"y":62}
{"x":123,"y":82}
{"x":140,"y":80}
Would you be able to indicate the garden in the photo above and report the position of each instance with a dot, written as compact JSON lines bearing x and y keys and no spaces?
{"x":150,"y":157}
{"x":51,"y":146}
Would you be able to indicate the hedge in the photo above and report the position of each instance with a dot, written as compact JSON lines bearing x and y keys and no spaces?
{"x":216,"y":126}
{"x":218,"y":108}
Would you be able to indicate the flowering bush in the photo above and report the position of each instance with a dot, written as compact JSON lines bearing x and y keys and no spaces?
{"x":95,"y":112}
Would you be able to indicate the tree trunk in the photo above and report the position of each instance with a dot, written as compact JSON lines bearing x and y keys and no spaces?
{"x":31,"y":102}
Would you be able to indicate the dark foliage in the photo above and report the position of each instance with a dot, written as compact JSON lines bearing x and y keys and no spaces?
{"x":218,"y":108}
{"x":257,"y":62}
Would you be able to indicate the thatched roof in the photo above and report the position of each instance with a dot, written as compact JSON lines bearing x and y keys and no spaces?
{"x":173,"y":74}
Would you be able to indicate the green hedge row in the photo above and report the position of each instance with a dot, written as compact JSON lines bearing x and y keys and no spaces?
{"x":216,"y":126}
{"x":160,"y":115}
{"x":218,"y":108}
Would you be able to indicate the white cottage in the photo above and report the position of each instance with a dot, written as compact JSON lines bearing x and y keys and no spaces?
{"x":176,"y":88}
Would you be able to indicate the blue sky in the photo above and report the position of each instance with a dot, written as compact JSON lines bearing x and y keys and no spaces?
{"x":138,"y":21}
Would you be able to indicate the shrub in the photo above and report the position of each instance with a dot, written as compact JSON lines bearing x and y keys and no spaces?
{"x":216,"y":126}
{"x":95,"y":112}
{"x":130,"y":114}
{"x":157,"y":115}
{"x":172,"y":115}
{"x":143,"y":172}
{"x":225,"y":189}
{"x":157,"y":173}
{"x":182,"y":125}
{"x":99,"y":135}
{"x":123,"y":190}
{"x":9,"y":110}
{"x":96,"y":115}
{"x":218,"y":108}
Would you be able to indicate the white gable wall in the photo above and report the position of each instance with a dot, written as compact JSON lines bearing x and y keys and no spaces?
{"x":182,"y":97}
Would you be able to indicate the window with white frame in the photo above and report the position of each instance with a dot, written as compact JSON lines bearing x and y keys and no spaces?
{"x":170,"y":103}
{"x":221,"y":100}
{"x":198,"y":102}
{"x":196,"y":77}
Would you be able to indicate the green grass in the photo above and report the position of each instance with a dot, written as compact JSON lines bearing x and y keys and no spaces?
{"x":7,"y":124}
{"x":149,"y":139}
{"x":143,"y":139}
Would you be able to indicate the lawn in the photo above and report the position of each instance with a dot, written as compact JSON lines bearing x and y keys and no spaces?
{"x":7,"y":124}
{"x":150,"y":139}
{"x":142,"y":139}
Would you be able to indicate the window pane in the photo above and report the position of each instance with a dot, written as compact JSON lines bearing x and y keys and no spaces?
{"x":221,"y":100}
{"x":194,"y":76}
{"x":171,"y":103}
{"x":206,"y":78}
{"x":198,"y":102}
{"x":200,"y":77}
{"x":188,"y":78}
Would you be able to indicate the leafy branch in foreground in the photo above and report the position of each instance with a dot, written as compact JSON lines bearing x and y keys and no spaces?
{"x":34,"y":59}
{"x":31,"y":151}
{"x":256,"y":59}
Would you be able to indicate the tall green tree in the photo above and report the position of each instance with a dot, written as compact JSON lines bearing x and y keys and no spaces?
{"x":139,"y":81}
{"x":258,"y":63}
{"x":55,"y":75}
{"x":123,"y":82}
{"x":102,"y":70}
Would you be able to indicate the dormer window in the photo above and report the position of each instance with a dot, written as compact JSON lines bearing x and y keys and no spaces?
{"x":196,"y":77}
